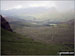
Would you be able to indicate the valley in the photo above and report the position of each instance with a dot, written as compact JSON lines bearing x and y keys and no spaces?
{"x":37,"y":27}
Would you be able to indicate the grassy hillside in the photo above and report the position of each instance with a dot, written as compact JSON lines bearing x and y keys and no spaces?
{"x":13,"y":43}
{"x":62,"y":33}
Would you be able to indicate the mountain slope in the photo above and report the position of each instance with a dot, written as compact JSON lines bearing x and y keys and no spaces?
{"x":5,"y":24}
{"x":13,"y":43}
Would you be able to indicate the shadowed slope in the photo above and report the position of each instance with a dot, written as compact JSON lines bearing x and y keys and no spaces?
{"x":4,"y":24}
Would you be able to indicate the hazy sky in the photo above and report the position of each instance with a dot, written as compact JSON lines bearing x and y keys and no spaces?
{"x":61,"y":5}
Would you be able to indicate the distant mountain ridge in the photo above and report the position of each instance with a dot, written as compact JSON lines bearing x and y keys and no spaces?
{"x":40,"y":13}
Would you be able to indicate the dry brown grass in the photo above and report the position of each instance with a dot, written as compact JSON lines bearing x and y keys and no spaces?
{"x":58,"y":34}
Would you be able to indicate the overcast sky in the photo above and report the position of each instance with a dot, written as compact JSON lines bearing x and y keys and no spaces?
{"x":61,"y":5}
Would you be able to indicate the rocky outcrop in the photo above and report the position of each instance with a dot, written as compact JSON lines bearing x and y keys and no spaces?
{"x":4,"y":24}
